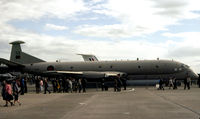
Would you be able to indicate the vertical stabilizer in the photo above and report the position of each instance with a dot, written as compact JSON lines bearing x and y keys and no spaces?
{"x":16,"y":51}
{"x":20,"y":57}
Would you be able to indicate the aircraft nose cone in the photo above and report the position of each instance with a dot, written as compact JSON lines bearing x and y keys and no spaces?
{"x":196,"y":76}
{"x":192,"y":74}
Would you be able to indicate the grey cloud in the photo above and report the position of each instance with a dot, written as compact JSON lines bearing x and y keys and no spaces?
{"x":170,"y":3}
{"x":112,"y":31}
{"x":52,"y":51}
{"x":49,"y":52}
{"x":3,"y":45}
{"x":35,"y":9}
{"x":4,"y":49}
{"x":173,"y":8}
{"x":184,"y":52}
{"x":197,"y":61}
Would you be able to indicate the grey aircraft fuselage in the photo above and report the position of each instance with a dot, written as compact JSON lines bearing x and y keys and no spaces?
{"x":138,"y":69}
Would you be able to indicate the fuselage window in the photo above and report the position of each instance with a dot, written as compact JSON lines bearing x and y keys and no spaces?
{"x":99,"y":66}
{"x":71,"y":67}
{"x":111,"y":66}
{"x":157,"y":66}
{"x":139,"y":67}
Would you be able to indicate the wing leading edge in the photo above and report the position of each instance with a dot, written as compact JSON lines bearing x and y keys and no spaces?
{"x":10,"y":63}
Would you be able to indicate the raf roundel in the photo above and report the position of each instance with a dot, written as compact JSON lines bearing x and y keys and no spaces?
{"x":50,"y":68}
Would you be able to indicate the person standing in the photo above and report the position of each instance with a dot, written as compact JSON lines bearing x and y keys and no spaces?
{"x":46,"y":86}
{"x":79,"y":85}
{"x":74,"y":85}
{"x":115,"y":84}
{"x":124,"y":83}
{"x":185,"y":83}
{"x":58,"y":86}
{"x":67,"y":85}
{"x":170,"y":83}
{"x":175,"y":83}
{"x":84,"y":84}
{"x":161,"y":84}
{"x":70,"y":85}
{"x":22,"y":86}
{"x":41,"y":85}
{"x":64,"y":85}
{"x":37,"y":85}
{"x":16,"y":92}
{"x":9,"y":96}
{"x":198,"y":82}
{"x":25,"y":85}
{"x":102,"y":84}
{"x":3,"y":91}
{"x":119,"y":84}
{"x":188,"y":82}
{"x":53,"y":81}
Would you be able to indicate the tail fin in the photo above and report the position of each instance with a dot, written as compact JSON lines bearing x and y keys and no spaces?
{"x":88,"y":57}
{"x":21,"y":57}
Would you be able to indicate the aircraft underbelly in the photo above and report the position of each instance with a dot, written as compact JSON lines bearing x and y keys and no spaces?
{"x":178,"y":75}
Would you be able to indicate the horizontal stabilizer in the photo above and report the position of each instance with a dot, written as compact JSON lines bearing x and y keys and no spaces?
{"x":28,"y":59}
{"x":10,"y":63}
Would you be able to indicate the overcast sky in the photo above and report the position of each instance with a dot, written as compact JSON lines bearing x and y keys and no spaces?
{"x":110,"y":29}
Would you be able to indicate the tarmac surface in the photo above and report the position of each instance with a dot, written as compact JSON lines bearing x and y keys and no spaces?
{"x":137,"y":103}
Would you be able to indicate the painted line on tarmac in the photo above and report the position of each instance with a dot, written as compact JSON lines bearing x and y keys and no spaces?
{"x":126,"y":113}
{"x":183,"y":106}
{"x":173,"y":102}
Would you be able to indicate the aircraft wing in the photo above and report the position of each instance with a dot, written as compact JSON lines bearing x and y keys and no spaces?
{"x":89,"y":74}
{"x":10,"y":63}
{"x":65,"y":72}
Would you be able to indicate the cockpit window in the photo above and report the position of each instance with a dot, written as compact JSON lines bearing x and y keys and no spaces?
{"x":184,"y":66}
{"x":187,"y":66}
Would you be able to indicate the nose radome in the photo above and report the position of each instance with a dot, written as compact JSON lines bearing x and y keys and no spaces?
{"x":192,"y":74}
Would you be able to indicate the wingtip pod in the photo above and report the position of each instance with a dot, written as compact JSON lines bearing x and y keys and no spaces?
{"x":17,"y":42}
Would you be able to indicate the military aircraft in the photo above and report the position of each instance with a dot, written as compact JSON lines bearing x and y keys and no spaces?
{"x":135,"y":69}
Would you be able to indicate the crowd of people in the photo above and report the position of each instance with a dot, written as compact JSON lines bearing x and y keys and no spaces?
{"x":10,"y":91}
{"x":64,"y":85}
{"x":172,"y":83}
{"x":118,"y":83}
